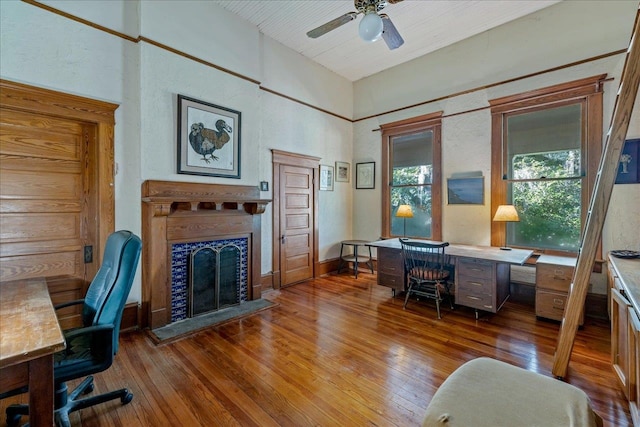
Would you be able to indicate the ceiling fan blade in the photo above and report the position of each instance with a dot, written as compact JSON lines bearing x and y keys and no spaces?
{"x":393,"y":1}
{"x":332,"y":25}
{"x":390,"y":34}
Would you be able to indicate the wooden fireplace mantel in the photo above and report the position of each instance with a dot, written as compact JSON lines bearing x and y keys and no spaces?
{"x":175,"y":212}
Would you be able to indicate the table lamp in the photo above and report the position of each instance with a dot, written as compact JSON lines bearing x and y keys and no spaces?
{"x":404,"y":212}
{"x":506,"y":213}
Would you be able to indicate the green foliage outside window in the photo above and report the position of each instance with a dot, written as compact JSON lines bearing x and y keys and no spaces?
{"x":412,"y":186}
{"x":547,"y":193}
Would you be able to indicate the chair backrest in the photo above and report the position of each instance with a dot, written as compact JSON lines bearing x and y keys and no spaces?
{"x":108,"y":291}
{"x":425,"y":261}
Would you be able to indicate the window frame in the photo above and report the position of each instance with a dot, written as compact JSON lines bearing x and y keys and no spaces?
{"x":426,"y":122}
{"x":588,"y":92}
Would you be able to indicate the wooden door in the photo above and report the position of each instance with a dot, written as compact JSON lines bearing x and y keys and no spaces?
{"x":296,"y":226}
{"x":295,"y":217}
{"x":51,"y":209}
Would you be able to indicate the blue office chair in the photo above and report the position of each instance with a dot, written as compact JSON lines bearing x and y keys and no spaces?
{"x":427,"y":269}
{"x":90,"y":348}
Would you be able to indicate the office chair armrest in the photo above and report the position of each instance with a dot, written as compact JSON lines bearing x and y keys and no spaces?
{"x":68,"y":304}
{"x":89,"y":330}
{"x":100,"y":338}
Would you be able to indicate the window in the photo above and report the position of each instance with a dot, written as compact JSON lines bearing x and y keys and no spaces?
{"x":411,"y":176}
{"x":546,"y":147}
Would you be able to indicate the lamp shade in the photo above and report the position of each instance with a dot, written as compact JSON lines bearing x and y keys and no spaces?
{"x":506,"y":213}
{"x":370,"y":28}
{"x":404,"y":211}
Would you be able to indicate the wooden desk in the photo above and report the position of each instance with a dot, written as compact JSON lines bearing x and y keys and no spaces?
{"x":482,"y":273}
{"x":30,"y":335}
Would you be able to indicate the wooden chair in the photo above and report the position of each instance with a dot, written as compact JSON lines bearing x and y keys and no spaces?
{"x":426,"y":269}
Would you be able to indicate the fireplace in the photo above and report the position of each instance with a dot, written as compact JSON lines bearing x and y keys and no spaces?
{"x":207,"y":276}
{"x":213,"y":227}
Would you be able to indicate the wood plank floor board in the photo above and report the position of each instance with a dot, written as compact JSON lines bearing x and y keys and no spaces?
{"x":335,"y":351}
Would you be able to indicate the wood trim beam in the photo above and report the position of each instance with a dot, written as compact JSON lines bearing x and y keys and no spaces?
{"x":383,"y":113}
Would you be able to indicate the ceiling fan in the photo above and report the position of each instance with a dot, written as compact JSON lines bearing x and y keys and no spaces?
{"x":373,"y":25}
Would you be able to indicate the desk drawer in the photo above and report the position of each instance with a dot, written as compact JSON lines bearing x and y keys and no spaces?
{"x":390,"y":260}
{"x":554,"y":277}
{"x":550,"y":305}
{"x":473,"y":300}
{"x":475,"y":268}
{"x":475,"y":286}
{"x":391,"y":280}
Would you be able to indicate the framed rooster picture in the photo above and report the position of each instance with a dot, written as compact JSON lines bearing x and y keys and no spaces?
{"x":208,"y":139}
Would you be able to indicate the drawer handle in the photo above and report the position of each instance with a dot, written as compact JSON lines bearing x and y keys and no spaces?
{"x":559,"y":278}
{"x":558,"y":301}
{"x":475,"y":283}
{"x":488,"y":306}
{"x":473,"y":298}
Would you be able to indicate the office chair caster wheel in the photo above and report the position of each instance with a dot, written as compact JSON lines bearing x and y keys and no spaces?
{"x":13,"y":420}
{"x":126,"y":398}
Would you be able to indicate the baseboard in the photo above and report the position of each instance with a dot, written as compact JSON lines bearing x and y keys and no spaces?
{"x":266,"y":280}
{"x":327,"y":266}
{"x":130,"y":317}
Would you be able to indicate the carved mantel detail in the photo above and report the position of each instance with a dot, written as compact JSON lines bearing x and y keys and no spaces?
{"x":175,"y":212}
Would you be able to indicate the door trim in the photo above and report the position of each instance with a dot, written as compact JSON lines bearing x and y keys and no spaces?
{"x":45,"y":102}
{"x":280,"y":158}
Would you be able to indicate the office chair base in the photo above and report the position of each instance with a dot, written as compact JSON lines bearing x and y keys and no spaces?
{"x":66,"y":404}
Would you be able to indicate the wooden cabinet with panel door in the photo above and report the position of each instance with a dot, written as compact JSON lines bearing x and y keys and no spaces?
{"x":624,"y":294}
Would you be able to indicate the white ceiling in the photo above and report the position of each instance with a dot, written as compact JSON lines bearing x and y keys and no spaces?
{"x":425,"y":25}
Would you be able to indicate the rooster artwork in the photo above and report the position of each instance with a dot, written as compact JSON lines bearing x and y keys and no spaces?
{"x":206,"y":141}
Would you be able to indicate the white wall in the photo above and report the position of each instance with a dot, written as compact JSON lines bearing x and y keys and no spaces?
{"x":144,"y":80}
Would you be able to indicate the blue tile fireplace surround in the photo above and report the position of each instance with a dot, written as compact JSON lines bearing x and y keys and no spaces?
{"x":180,"y":273}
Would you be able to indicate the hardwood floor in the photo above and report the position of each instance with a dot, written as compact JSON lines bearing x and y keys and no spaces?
{"x":336,"y":351}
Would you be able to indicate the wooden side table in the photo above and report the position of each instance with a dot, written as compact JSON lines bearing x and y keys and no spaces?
{"x":354,"y":257}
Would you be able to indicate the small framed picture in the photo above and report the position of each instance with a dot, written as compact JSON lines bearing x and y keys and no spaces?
{"x":326,"y":178}
{"x":365,"y":175}
{"x":342,"y":172}
{"x":465,"y":191}
{"x":629,"y":164}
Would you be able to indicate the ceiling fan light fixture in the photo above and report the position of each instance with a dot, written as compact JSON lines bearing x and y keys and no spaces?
{"x":370,"y":28}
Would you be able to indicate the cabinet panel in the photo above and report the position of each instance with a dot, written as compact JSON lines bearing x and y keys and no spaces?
{"x":620,"y":338}
{"x":634,"y":367}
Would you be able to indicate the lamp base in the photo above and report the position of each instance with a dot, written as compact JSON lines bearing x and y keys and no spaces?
{"x":504,"y":248}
